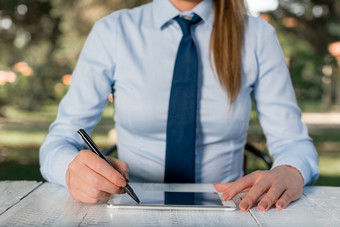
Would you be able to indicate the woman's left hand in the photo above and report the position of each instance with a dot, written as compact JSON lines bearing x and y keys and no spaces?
{"x":280,"y":186}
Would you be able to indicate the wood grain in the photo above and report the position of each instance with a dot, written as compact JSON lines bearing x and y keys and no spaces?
{"x":11,"y":192}
{"x":318,"y":206}
{"x":31,"y":204}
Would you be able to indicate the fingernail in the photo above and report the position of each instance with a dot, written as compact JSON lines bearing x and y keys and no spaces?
{"x":225,"y":196}
{"x":279,"y":205}
{"x":244,"y":206}
{"x":263,"y":206}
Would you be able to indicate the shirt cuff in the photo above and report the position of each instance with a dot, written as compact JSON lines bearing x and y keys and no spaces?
{"x":54,"y":165}
{"x":304,"y":160}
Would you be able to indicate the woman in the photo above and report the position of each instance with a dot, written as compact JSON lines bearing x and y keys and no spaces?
{"x":132,"y":53}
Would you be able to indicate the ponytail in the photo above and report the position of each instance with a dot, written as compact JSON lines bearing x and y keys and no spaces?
{"x":227,"y":44}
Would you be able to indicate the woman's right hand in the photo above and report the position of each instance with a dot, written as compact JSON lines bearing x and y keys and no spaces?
{"x":90,"y":178}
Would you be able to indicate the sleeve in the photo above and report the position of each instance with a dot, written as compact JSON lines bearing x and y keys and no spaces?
{"x":82,"y":106}
{"x":287,"y":136}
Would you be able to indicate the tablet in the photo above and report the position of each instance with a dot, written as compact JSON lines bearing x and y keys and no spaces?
{"x":169,"y":200}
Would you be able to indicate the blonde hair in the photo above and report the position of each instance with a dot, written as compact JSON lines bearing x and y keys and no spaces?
{"x":227,"y":44}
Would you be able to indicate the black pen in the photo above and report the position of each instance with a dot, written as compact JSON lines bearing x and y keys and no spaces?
{"x":95,"y":150}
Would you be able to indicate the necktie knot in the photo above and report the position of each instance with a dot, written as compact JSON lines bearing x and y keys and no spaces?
{"x":186,"y":24}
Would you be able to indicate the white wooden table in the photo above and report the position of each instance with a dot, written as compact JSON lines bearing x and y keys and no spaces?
{"x":30,"y":203}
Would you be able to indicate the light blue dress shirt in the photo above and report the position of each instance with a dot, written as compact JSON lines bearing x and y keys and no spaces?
{"x":132,"y":54}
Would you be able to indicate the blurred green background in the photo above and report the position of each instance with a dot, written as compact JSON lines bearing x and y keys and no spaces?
{"x":40,"y":42}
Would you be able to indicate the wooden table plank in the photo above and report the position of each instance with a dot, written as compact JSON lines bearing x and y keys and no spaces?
{"x":327,"y":198}
{"x":48,"y":205}
{"x":11,"y":192}
{"x":51,"y":205}
{"x":304,"y":212}
{"x":170,"y":218}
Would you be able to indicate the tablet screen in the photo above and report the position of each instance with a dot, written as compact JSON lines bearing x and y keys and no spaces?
{"x":175,"y":198}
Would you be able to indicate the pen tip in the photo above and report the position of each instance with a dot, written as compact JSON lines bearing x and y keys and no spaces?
{"x":136,"y":198}
{"x":130,"y":191}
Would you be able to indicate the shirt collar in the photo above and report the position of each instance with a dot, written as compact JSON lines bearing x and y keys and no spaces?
{"x":164,"y":11}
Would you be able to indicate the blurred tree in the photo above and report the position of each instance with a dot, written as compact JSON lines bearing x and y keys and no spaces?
{"x":305,"y":29}
{"x":47,"y":35}
{"x":27,"y":34}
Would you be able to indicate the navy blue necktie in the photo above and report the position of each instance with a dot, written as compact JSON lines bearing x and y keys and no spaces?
{"x":181,"y":124}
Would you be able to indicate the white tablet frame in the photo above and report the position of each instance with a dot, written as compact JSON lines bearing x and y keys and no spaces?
{"x":115,"y":203}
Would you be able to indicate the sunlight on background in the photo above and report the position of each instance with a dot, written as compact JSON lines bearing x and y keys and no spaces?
{"x":256,"y":6}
